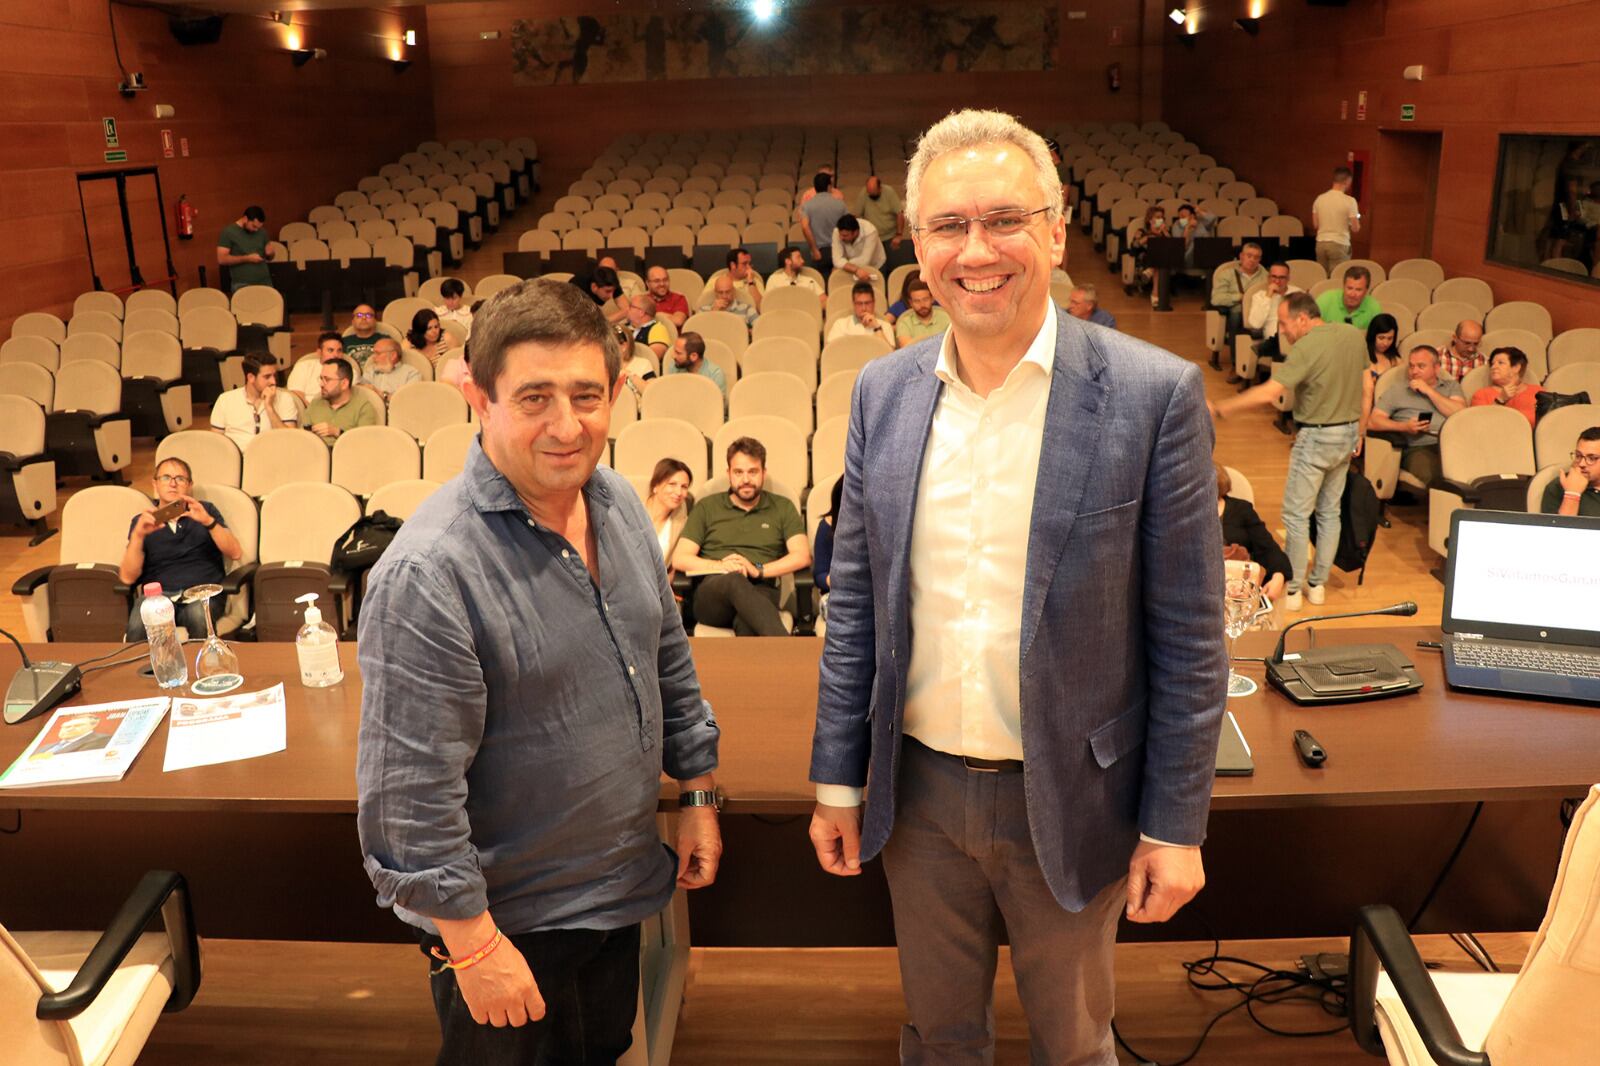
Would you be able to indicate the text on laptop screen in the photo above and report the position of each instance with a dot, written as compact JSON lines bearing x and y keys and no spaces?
{"x":1527,"y":575}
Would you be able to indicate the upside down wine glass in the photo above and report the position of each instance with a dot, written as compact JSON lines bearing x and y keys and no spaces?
{"x":1245,"y":605}
{"x":215,"y":656}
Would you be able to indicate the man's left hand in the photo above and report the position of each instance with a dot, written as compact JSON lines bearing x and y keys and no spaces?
{"x":1161,"y":879}
{"x":196,"y":512}
{"x":699,"y":847}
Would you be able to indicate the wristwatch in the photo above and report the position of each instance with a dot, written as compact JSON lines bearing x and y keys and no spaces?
{"x":701,"y":797}
{"x":761,"y":571}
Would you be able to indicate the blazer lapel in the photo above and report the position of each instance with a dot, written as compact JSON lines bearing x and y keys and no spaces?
{"x":1074,"y":416}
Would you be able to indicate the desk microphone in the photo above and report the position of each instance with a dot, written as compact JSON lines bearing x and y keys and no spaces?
{"x":1343,"y":673}
{"x":37,"y":687}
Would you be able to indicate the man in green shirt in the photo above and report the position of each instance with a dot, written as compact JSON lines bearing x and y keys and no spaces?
{"x":1352,"y":303}
{"x":242,"y":248}
{"x":1577,"y":490}
{"x":1323,"y":370}
{"x":742,"y":541}
{"x":880,"y":205}
{"x":340,"y":408}
{"x":923,"y":319}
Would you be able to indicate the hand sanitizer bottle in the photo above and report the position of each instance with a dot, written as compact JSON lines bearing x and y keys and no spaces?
{"x":317,"y":648}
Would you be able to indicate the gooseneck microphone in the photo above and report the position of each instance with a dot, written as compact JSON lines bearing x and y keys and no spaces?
{"x":37,"y":687}
{"x":1407,"y":608}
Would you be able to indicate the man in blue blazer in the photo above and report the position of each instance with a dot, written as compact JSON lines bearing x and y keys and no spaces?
{"x":1024,"y":667}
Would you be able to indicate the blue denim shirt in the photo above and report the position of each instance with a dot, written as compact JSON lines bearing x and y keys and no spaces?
{"x":516,"y":719}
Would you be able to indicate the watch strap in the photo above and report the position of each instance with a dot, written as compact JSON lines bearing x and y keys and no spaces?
{"x":700,"y":797}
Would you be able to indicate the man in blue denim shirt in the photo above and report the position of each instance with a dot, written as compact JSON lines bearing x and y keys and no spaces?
{"x":527,"y":680}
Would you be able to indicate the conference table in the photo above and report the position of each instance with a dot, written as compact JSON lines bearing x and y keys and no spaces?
{"x":1291,"y":849}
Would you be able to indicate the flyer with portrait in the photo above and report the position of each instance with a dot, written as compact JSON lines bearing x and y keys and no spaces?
{"x":78,"y":745}
{"x":245,"y":725}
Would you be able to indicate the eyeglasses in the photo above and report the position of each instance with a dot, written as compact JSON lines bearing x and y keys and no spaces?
{"x":1581,"y":459}
{"x":364,"y":314}
{"x":173,"y":479}
{"x":1000,"y":223}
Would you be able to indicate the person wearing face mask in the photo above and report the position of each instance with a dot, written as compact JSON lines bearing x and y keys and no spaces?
{"x":1154,"y":225}
{"x":669,"y":493}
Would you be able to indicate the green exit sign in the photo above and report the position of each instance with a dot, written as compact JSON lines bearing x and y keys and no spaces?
{"x":1408,"y":112}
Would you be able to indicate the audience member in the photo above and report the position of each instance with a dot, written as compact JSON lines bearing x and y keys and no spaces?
{"x":880,"y":205}
{"x":454,"y":309}
{"x":1335,"y":216}
{"x":363,"y":333}
{"x":902,"y":304}
{"x":1084,"y":302}
{"x":1461,"y":356}
{"x":1246,"y":537}
{"x":644,"y":328}
{"x":689,"y":357}
{"x":303,"y":378}
{"x":1383,"y":355}
{"x":833,"y":190}
{"x":755,"y":536}
{"x":922,"y":319}
{"x":1229,"y":284}
{"x":818,"y":216}
{"x":340,"y":408}
{"x":863,"y":320}
{"x":630,"y":282}
{"x":427,"y":337}
{"x":189,"y":550}
{"x":857,"y":248}
{"x":1410,"y":413}
{"x":603,"y":287}
{"x":746,"y":282}
{"x":1577,"y":490}
{"x":1506,"y":369}
{"x":1154,"y":225}
{"x":1351,"y":302}
{"x":822,"y":553}
{"x":1190,"y":224}
{"x":724,"y":297}
{"x":240,"y":414}
{"x":1323,"y":372}
{"x":455,"y":369}
{"x":1261,"y":314}
{"x":790,"y":273}
{"x":673,"y":306}
{"x":385,"y":371}
{"x":638,"y":369}
{"x":669,"y":491}
{"x":242,"y":248}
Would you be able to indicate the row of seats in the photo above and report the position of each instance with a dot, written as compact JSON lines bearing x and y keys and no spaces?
{"x":640,"y":445}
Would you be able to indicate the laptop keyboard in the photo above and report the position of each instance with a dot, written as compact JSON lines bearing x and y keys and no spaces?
{"x":1517,"y":657}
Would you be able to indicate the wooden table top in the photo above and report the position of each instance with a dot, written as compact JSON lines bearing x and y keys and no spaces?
{"x":1432,"y":747}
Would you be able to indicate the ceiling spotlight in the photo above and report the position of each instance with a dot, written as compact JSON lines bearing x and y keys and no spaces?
{"x":1250,"y":26}
{"x":400,"y":65}
{"x":1178,"y":16}
{"x":763,"y":10}
{"x":411,"y":38}
{"x":302,"y":56}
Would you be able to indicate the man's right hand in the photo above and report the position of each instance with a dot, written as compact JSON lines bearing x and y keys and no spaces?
{"x":500,"y":990}
{"x":836,"y":834}
{"x":1572,"y":480}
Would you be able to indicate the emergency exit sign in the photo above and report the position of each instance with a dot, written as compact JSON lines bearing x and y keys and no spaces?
{"x":1408,"y":112}
{"x":110,"y":125}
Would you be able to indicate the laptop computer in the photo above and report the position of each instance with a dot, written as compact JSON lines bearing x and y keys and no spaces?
{"x":1522,"y":605}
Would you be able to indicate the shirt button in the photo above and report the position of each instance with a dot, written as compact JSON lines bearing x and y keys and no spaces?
{"x":565,"y":554}
{"x":632,"y":671}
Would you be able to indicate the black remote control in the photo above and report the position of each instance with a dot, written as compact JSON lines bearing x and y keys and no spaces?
{"x":1311,"y":752}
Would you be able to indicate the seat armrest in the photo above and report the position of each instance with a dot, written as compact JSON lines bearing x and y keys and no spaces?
{"x":160,"y":892}
{"x":96,"y":421}
{"x":682,"y":584}
{"x":1381,"y":939}
{"x":235,"y":580}
{"x":805,"y":603}
{"x":1455,"y":488}
{"x":32,"y":581}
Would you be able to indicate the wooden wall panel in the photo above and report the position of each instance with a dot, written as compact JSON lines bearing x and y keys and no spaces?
{"x":259,"y":130}
{"x":1492,"y":67}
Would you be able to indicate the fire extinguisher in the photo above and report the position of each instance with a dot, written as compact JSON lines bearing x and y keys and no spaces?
{"x":1114,"y":77}
{"x":186,"y":216}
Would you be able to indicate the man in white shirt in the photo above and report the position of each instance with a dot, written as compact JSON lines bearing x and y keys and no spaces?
{"x":863,"y":320}
{"x":1261,"y":315}
{"x":746,"y":282}
{"x":242,"y":414}
{"x":454,"y":309}
{"x":791,"y":262}
{"x":857,"y":248}
{"x":1335,"y":216}
{"x":1025,"y":570}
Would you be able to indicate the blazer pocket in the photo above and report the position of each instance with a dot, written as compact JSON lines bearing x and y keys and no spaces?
{"x":1116,"y":513}
{"x":1118,"y":737}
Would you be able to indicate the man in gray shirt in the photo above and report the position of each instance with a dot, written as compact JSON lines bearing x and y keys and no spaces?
{"x":1410,"y":413}
{"x":818,"y":216}
{"x":527,"y":681}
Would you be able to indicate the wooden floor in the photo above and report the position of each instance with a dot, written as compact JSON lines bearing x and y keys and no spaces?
{"x":269,"y":1004}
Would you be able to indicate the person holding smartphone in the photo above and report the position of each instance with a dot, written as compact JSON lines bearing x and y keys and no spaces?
{"x":1411,"y":412}
{"x":179,"y":542}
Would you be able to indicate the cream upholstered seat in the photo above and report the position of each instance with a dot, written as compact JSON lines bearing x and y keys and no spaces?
{"x":212,"y":457}
{"x":827,"y":449}
{"x":724,"y":326}
{"x":400,"y":499}
{"x":1474,"y":291}
{"x":1521,"y":314}
{"x":429,"y":291}
{"x":785,"y":354}
{"x":96,"y":347}
{"x":143,"y":318}
{"x":1576,"y":377}
{"x":278,"y":457}
{"x":444,"y":454}
{"x":693,"y":398}
{"x":28,"y":380}
{"x":1406,"y":291}
{"x":1447,"y":314}
{"x":850,"y":353}
{"x":1426,"y":271}
{"x":369,"y":457}
{"x":1477,"y":443}
{"x":773,"y":392}
{"x":95,"y":322}
{"x":787,"y":458}
{"x":1540,"y":1016}
{"x":152,"y":392}
{"x":107,"y":302}
{"x":87,"y":432}
{"x":1529,"y":343}
{"x":640,"y":446}
{"x":1557,"y":432}
{"x":833,"y":394}
{"x":301,"y":521}
{"x":94,"y":535}
{"x":29,"y":489}
{"x":40,"y":351}
{"x":39,"y":324}
{"x":1580,"y":345}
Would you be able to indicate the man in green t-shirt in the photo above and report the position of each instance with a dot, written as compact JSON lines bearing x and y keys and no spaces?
{"x":340,"y":408}
{"x":741,"y":541}
{"x":922,"y":319}
{"x":1351,"y":303}
{"x":1323,"y":371}
{"x":242,"y":248}
{"x":880,"y":205}
{"x":1577,"y":490}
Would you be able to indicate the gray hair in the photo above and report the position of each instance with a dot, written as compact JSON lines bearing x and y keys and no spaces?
{"x":1089,"y":293}
{"x":551,"y":313}
{"x":968,"y":129}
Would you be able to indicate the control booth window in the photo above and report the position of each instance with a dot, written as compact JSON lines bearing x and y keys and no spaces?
{"x":1547,"y":205}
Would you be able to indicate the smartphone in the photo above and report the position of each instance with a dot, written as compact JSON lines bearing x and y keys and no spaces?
{"x":167,"y":512}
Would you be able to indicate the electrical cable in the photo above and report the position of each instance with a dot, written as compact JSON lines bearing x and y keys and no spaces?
{"x":120,"y":662}
{"x":121,"y":649}
{"x":1449,"y":864}
{"x":116,"y":50}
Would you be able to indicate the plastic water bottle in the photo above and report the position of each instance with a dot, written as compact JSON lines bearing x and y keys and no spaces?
{"x":166,"y":655}
{"x":316,"y":646}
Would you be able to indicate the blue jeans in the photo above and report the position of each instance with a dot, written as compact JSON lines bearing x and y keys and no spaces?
{"x":190,"y":616}
{"x":1318,"y":465}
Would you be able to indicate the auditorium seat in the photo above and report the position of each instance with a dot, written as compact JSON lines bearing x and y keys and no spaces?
{"x":1304,"y":273}
{"x":787,"y":591}
{"x":693,"y":398}
{"x":85,"y":430}
{"x":39,"y":351}
{"x":1447,"y":314}
{"x":1481,"y":450}
{"x":301,"y":521}
{"x":1379,"y":275}
{"x":785,"y":354}
{"x":105,"y":302}
{"x":369,"y":457}
{"x":153,"y":394}
{"x":83,"y":597}
{"x":1521,"y":314}
{"x":1571,"y":378}
{"x":212,"y":457}
{"x":95,"y":322}
{"x":28,"y":489}
{"x":642,"y":444}
{"x":1407,"y":291}
{"x":279,"y":457}
{"x":400,"y":499}
{"x":150,"y":299}
{"x":775,"y":393}
{"x":850,"y":353}
{"x":91,"y":347}
{"x":828,"y":448}
{"x":1580,"y":345}
{"x":724,"y":326}
{"x":543,"y":241}
{"x":39,"y":324}
{"x":834,"y":393}
{"x":143,"y":318}
{"x":210,"y":339}
{"x":29,"y":380}
{"x":1474,"y":291}
{"x":1557,"y":432}
{"x":1540,"y":482}
{"x":423,"y":407}
{"x":1531,"y":344}
{"x":444,"y":454}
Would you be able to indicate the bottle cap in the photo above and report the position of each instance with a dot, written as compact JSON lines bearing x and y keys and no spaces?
{"x":313,"y":613}
{"x":153,"y":589}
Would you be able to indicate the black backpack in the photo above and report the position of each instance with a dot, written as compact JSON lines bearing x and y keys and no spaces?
{"x":1359,"y":513}
{"x":363,"y":544}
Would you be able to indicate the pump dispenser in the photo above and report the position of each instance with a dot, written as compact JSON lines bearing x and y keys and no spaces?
{"x":317,"y":648}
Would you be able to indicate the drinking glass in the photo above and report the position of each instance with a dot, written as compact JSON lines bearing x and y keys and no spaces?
{"x":215,"y":656}
{"x":1245,"y":606}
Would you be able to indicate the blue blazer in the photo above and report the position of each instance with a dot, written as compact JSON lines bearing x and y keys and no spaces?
{"x":1123,"y":666}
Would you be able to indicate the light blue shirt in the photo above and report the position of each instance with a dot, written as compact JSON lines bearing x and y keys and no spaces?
{"x":707,"y":369}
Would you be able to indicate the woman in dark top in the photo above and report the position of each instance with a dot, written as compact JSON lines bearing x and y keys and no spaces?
{"x":822,"y":551}
{"x":1383,"y":353}
{"x":1245,"y":536}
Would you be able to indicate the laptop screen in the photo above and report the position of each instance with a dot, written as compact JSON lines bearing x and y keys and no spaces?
{"x":1524,"y":577}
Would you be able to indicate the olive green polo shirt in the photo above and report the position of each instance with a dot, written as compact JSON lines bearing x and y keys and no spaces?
{"x":760,"y":534}
{"x":1323,"y":371}
{"x":353,"y":415}
{"x":1588,"y":503}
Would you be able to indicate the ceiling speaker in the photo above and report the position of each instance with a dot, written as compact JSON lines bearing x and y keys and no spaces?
{"x":201,"y":29}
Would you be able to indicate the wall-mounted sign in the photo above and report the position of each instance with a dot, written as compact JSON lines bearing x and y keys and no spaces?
{"x":1361,"y":106}
{"x":183,"y":147}
{"x":118,"y":156}
{"x":1344,"y":110}
{"x":1408,"y":112}
{"x":167,"y":151}
{"x":110,"y":125}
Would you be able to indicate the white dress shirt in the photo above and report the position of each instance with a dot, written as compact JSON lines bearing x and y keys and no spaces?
{"x":865,"y":251}
{"x":782,"y":280}
{"x":851,"y":326}
{"x":1262,"y":312}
